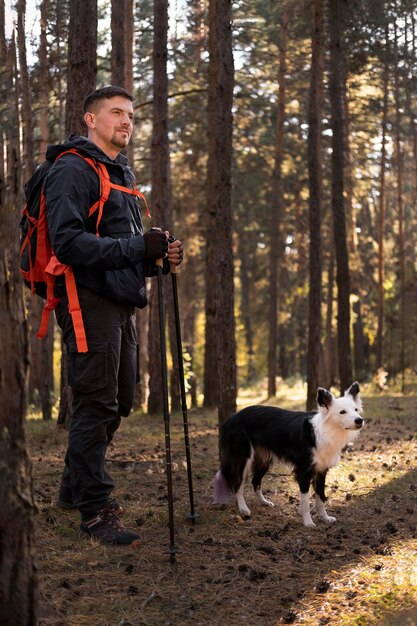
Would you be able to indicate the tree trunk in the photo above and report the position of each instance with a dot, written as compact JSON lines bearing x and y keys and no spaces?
{"x":331,"y":365}
{"x":221,"y":91}
{"x":315,"y":184}
{"x":128,"y":78}
{"x":381,"y":214}
{"x":82,"y":61}
{"x":162,"y":212}
{"x":211,"y":392}
{"x":81,"y":80}
{"x":277,"y":213}
{"x":118,"y":43}
{"x":336,"y":87}
{"x":400,"y":209}
{"x":44,"y":81}
{"x":18,"y":581}
{"x":246,"y":299}
{"x":27,"y":118}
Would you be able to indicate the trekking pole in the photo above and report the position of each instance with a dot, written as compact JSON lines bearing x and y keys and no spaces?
{"x":173,"y":269}
{"x":167,"y":417}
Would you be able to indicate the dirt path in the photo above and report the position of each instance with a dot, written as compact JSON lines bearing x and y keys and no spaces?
{"x":265,"y":571}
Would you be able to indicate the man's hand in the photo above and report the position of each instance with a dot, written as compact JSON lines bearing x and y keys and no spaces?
{"x":175,"y":252}
{"x":156,"y":244}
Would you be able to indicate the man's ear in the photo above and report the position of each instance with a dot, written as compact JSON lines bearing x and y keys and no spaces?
{"x":324,"y":397}
{"x":89,"y":119}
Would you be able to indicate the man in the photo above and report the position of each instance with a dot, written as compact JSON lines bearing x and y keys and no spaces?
{"x":110,"y":273}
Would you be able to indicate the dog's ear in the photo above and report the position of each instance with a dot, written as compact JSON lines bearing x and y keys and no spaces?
{"x":354,"y":392}
{"x":324,"y":397}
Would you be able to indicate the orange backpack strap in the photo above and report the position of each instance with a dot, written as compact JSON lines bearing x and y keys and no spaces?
{"x":53,"y":269}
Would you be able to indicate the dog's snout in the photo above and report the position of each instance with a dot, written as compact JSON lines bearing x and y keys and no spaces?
{"x":358,"y":422}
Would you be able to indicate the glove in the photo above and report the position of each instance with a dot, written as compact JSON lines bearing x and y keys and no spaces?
{"x":156,"y":244}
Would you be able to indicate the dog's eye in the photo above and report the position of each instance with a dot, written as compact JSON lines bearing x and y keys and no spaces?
{"x":356,"y":410}
{"x":342,"y":412}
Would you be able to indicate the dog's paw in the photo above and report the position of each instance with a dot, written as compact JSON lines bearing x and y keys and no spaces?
{"x":245,"y":512}
{"x":308,"y":523}
{"x":328,"y":519}
{"x":264,"y":501}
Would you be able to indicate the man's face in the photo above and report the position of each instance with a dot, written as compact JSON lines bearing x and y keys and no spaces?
{"x":110,"y":125}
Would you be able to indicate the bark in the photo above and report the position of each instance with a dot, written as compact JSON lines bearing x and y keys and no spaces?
{"x":336,"y":9}
{"x":41,"y":382}
{"x":400,"y":209}
{"x":3,"y":100}
{"x":210,"y":305}
{"x":221,"y":90}
{"x":81,"y":80}
{"x":315,"y":204}
{"x":381,"y":214}
{"x":27,"y":118}
{"x":128,"y":77}
{"x":18,"y":581}
{"x":118,"y":50}
{"x":330,"y":350}
{"x":246,"y":299}
{"x":162,"y":212}
{"x":3,"y":44}
{"x":142,"y":322}
{"x":44,"y":81}
{"x":188,"y":311}
{"x":82,"y":61}
{"x":277,"y":212}
{"x":360,"y":344}
{"x":65,"y":402}
{"x":59,"y":37}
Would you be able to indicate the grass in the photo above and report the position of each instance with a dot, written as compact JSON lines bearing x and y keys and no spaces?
{"x":268,"y":570}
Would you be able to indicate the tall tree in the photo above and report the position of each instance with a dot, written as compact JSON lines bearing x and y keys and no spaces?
{"x":18,"y":581}
{"x":118,"y":42}
{"x":220,"y":186}
{"x":277,"y":211}
{"x":400,"y":205}
{"x":27,"y":118}
{"x":337,"y":23}
{"x":81,"y":80}
{"x":161,"y":207}
{"x":82,"y":61}
{"x":315,"y":204}
{"x":211,"y":396}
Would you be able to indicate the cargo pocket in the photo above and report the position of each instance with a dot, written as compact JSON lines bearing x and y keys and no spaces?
{"x":88,"y":371}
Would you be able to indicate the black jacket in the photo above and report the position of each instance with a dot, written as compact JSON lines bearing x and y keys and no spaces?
{"x":113,"y":263}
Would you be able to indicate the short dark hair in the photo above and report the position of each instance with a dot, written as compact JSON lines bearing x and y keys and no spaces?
{"x":105,"y":93}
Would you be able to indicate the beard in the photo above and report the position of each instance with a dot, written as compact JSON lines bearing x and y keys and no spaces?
{"x":120,"y":140}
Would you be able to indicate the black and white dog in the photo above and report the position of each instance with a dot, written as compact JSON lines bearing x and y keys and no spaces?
{"x":310,"y":442}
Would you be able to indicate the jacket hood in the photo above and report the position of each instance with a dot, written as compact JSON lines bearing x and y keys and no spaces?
{"x":85,"y":146}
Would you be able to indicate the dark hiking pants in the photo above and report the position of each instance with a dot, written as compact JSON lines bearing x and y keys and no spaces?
{"x":103,"y":386}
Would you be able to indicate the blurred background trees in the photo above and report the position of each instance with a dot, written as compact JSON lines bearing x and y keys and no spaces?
{"x":320,"y":276}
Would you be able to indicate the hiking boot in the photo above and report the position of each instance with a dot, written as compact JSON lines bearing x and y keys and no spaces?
{"x":69,"y":505}
{"x":107,"y":526}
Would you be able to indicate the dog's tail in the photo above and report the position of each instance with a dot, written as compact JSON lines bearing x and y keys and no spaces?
{"x":222,"y":491}
{"x":235,"y":452}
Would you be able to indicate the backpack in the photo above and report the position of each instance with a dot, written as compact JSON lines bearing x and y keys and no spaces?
{"x":38,"y":264}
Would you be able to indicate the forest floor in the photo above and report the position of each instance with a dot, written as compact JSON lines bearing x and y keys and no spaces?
{"x":264,"y":571}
